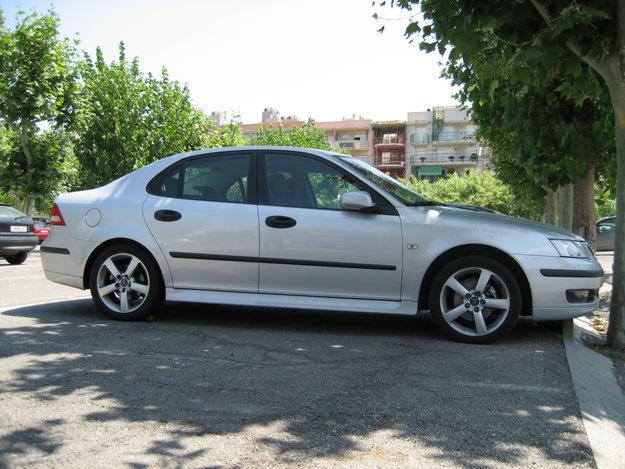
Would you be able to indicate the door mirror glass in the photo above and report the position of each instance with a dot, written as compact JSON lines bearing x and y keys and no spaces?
{"x":360,"y":200}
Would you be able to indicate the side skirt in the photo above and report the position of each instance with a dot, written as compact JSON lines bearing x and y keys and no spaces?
{"x":406,"y":308}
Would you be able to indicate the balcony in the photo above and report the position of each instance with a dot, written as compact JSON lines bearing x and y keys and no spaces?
{"x":446,"y":158}
{"x":355,"y":145}
{"x":393,"y":159}
{"x":455,"y":137}
{"x":389,"y":141}
{"x":419,"y":139}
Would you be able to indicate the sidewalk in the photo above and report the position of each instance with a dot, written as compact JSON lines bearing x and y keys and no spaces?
{"x":601,"y":399}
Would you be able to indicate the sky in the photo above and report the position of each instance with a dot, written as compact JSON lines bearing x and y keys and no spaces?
{"x":310,"y":58}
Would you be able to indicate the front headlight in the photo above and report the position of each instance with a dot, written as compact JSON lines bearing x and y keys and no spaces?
{"x":570,"y":248}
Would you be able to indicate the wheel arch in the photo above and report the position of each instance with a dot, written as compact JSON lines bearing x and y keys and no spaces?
{"x":112,"y":242}
{"x":477,"y":249}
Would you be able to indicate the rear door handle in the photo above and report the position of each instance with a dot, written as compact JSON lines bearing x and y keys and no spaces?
{"x":278,"y":221}
{"x":167,"y":215}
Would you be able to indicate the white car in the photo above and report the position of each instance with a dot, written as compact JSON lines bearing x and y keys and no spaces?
{"x":309,"y":229}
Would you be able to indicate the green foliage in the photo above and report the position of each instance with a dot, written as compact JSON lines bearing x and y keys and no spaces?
{"x":306,"y":136}
{"x":483,"y":189}
{"x":53,"y":168}
{"x":37,"y":90}
{"x":228,"y":135}
{"x":127,"y":119}
{"x":37,"y":78}
{"x":531,"y":96}
{"x":604,"y":204}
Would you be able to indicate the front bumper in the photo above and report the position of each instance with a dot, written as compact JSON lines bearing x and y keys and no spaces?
{"x":550,"y":278}
{"x":10,"y":245}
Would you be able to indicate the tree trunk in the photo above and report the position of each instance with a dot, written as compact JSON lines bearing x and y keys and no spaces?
{"x":584,"y":213}
{"x":551,"y":207}
{"x":22,"y":131}
{"x":565,"y":207}
{"x":616,"y":330}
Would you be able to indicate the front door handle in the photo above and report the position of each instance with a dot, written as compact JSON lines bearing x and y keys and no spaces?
{"x":167,"y":215}
{"x":278,"y":221}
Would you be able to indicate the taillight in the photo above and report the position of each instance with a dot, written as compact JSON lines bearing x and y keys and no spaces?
{"x":56,"y":218}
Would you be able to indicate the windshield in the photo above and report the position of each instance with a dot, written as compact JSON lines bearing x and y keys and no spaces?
{"x":6,"y":211}
{"x":394,"y":187}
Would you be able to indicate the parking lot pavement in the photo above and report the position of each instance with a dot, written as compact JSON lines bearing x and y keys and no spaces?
{"x":239,"y":387}
{"x":25,"y":284}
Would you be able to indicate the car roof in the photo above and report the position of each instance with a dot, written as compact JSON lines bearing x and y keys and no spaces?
{"x":611,"y":217}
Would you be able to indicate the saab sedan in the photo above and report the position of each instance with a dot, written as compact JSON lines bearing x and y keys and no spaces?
{"x":309,"y":229}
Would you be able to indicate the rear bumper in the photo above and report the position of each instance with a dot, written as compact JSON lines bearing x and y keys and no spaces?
{"x":65,"y":279}
{"x":63,"y":257}
{"x":550,"y":278}
{"x":10,"y":245}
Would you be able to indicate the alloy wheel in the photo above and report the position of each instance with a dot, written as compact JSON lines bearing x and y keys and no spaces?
{"x":475,"y":301}
{"x":123,"y":283}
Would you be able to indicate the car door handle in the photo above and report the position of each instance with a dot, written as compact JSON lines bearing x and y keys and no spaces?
{"x":278,"y":221}
{"x":167,"y":215}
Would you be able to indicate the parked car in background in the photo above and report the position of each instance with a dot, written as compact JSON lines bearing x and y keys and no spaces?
{"x":42,"y":229}
{"x":308,"y":229}
{"x":17,"y":237}
{"x":605,"y":233}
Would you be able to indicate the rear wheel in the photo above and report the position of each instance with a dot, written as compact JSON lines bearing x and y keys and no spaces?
{"x":125,"y":283}
{"x":18,"y":258}
{"x":475,"y":299}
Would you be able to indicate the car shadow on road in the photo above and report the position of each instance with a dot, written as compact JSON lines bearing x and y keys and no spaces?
{"x":332,"y":387}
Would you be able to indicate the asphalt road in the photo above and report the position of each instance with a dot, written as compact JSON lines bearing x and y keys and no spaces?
{"x":207,"y":386}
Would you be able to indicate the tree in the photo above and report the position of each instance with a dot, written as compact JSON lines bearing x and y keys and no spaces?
{"x":483,"y":189}
{"x":227,"y":135}
{"x":127,"y":119}
{"x":557,"y":141}
{"x":545,"y":40}
{"x":37,"y":82}
{"x":306,"y":136}
{"x":53,"y":167}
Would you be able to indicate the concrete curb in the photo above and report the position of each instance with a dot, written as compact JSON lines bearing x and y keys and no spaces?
{"x":601,"y":401}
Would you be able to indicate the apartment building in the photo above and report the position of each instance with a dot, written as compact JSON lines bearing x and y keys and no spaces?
{"x":389,"y":142}
{"x":354,"y":135}
{"x":429,"y":145}
{"x":442,"y":141}
{"x":351,"y":134}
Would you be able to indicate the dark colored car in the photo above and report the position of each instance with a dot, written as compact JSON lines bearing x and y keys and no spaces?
{"x":605,"y":233}
{"x":17,"y":236}
{"x":42,"y":229}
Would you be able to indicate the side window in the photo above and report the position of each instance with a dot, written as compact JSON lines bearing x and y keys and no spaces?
{"x":328,"y":186}
{"x":299,"y":181}
{"x":607,"y":227}
{"x":219,"y":178}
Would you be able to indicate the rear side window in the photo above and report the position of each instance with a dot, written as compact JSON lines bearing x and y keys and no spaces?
{"x":222,"y":178}
{"x":6,"y":211}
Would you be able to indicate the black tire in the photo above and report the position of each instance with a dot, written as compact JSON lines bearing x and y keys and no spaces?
{"x":502,"y":324}
{"x":151,"y":301}
{"x":18,"y":258}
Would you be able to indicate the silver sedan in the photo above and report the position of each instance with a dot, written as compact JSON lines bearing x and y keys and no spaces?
{"x":307,"y":229}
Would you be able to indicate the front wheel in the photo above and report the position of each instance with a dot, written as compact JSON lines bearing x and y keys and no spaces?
{"x":475,"y":299}
{"x":125,"y":283}
{"x":18,"y":258}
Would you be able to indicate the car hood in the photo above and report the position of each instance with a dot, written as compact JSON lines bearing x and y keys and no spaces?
{"x":503,"y":221}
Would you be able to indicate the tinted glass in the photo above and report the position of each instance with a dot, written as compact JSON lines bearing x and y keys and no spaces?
{"x":212,"y":178}
{"x":299,"y":181}
{"x":401,"y":192}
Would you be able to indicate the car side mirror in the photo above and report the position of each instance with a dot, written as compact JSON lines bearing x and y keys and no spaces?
{"x":360,"y":200}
